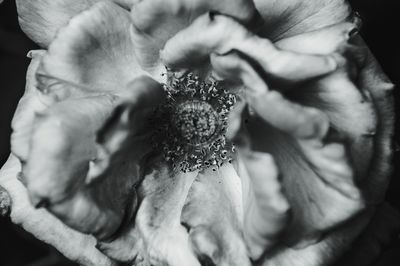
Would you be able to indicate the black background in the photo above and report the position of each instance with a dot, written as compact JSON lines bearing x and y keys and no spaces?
{"x":17,"y":248}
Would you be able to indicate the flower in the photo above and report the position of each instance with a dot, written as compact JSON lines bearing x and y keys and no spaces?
{"x":131,"y":112}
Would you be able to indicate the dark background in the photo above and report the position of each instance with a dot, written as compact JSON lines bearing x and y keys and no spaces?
{"x":381,"y":31}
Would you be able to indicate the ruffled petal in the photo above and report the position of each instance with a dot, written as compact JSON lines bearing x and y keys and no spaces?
{"x":72,"y":244}
{"x":155,"y":21}
{"x":95,"y":50}
{"x":41,"y":19}
{"x":214,"y":218}
{"x":163,"y":193}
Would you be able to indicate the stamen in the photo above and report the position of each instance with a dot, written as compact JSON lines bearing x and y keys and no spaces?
{"x":192,"y":123}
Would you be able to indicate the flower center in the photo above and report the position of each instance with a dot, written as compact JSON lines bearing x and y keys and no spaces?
{"x":192,"y":123}
{"x":195,"y":121}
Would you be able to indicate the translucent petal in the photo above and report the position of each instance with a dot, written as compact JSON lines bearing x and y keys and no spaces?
{"x":41,"y":19}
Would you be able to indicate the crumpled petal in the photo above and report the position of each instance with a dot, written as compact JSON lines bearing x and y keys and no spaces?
{"x":72,"y":244}
{"x":95,"y":50}
{"x":162,"y":194}
{"x":155,"y":21}
{"x":214,"y":218}
{"x":41,"y":19}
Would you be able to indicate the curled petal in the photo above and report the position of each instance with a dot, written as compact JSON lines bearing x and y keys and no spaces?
{"x":155,"y":21}
{"x":163,"y":193}
{"x":266,"y":209}
{"x":94,"y":50}
{"x":222,"y":35}
{"x":213,"y":216}
{"x":72,"y":244}
{"x":41,"y":19}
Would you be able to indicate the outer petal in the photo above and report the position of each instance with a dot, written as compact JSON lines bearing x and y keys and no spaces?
{"x":364,"y":114}
{"x":267,"y":209}
{"x":95,"y":50}
{"x":41,"y":19}
{"x":213,"y":215}
{"x":290,"y":17}
{"x":31,"y":102}
{"x":163,"y":193}
{"x":74,"y":245}
{"x":89,"y":185}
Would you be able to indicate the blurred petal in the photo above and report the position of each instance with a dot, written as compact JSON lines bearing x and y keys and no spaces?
{"x":382,"y":230}
{"x":266,"y":209}
{"x":376,"y":83}
{"x":325,"y":252}
{"x":72,"y":244}
{"x":155,"y":21}
{"x":95,"y":50}
{"x":41,"y":19}
{"x":213,"y":215}
{"x":163,"y":193}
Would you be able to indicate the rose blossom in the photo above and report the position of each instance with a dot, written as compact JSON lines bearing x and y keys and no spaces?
{"x":188,"y":132}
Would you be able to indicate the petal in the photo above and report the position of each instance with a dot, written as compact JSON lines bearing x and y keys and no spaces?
{"x":89,"y":185}
{"x":31,"y":102}
{"x":266,"y":209}
{"x":325,"y":252}
{"x":288,"y":18}
{"x":41,"y":19}
{"x":374,"y":81}
{"x":59,"y":136}
{"x":317,"y":177}
{"x":72,"y":244}
{"x":361,"y":109}
{"x":222,"y":35}
{"x":95,"y":50}
{"x":213,"y":215}
{"x":163,"y":193}
{"x":155,"y":21}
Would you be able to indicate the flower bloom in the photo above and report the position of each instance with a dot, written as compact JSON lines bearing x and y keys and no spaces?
{"x":191,"y":132}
